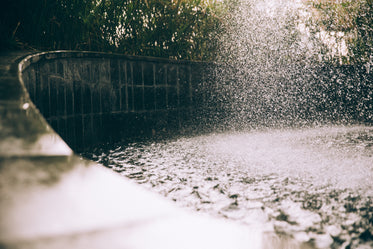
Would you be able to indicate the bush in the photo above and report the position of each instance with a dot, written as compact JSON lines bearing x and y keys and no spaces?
{"x":352,"y":19}
{"x":172,"y":29}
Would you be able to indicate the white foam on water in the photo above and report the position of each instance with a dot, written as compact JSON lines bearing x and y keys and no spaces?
{"x":290,"y":180}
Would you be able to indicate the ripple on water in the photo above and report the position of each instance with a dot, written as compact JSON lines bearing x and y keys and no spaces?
{"x":314,"y":184}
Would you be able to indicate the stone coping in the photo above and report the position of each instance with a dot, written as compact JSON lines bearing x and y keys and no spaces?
{"x":32,"y":58}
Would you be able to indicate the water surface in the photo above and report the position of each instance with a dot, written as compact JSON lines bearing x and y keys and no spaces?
{"x":314,"y":184}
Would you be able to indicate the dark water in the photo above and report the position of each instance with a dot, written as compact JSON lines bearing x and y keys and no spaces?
{"x":313,"y":184}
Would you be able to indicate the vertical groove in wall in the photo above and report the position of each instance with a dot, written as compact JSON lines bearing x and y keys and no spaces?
{"x":120,"y":86}
{"x":82,"y":116}
{"x":178,"y":87}
{"x":91,"y":114}
{"x":73,"y":114}
{"x":100,"y":94}
{"x":49,"y":97}
{"x":178,"y":97}
{"x":65,"y":99}
{"x":126,"y":84}
{"x":190,"y":92}
{"x":132,"y":88}
{"x":142,"y":86}
{"x":154,"y":86}
{"x":166,"y":84}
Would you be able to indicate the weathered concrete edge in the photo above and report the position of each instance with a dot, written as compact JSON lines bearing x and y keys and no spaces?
{"x":23,"y":130}
{"x":35,"y":57}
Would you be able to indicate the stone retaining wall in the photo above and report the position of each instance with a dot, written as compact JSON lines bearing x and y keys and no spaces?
{"x":91,"y":98}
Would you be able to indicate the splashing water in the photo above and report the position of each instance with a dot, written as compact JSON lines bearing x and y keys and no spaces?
{"x":269,"y":72}
{"x":313,"y":184}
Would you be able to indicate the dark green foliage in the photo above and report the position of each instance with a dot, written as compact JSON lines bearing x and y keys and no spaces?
{"x":355,"y":20}
{"x":363,"y":45}
{"x":164,"y":28}
{"x":47,"y":24}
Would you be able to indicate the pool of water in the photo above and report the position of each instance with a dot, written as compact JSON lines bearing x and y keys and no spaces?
{"x":314,"y":184}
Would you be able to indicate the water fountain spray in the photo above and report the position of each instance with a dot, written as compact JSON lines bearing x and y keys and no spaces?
{"x":270,"y":73}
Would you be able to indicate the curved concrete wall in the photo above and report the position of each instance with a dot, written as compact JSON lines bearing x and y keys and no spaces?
{"x":91,"y":98}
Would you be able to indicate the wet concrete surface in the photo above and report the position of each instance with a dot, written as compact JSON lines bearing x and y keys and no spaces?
{"x":72,"y":203}
{"x":313,"y":184}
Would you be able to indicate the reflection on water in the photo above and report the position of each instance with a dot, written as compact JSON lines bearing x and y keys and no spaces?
{"x":314,"y":184}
